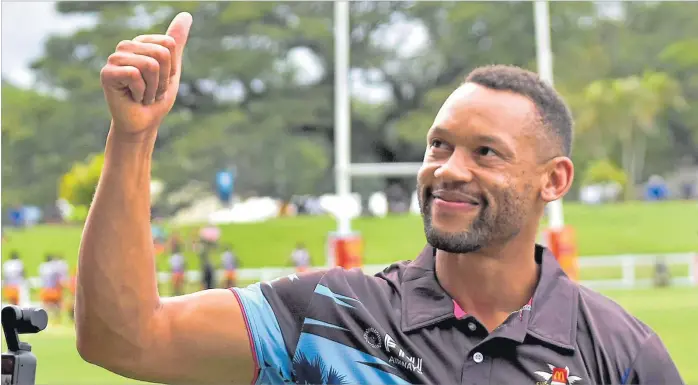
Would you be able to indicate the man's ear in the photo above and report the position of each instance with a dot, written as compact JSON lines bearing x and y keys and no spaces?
{"x":557,"y":178}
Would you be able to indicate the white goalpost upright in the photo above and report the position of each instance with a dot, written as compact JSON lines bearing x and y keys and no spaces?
{"x":345,"y":169}
{"x":342,"y":110}
{"x":544,"y":59}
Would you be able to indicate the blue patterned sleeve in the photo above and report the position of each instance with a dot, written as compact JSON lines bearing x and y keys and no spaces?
{"x":274,"y":313}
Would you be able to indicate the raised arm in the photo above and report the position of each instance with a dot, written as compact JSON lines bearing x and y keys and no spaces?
{"x":122,"y":323}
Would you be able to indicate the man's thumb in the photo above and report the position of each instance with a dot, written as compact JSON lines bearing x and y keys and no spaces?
{"x":179,"y":31}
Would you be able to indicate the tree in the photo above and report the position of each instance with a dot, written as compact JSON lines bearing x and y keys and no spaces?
{"x":626,"y":111}
{"x":40,"y":140}
{"x":258,"y":84}
{"x":240,"y":73}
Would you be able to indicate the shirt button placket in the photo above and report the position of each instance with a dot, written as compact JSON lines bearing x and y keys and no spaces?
{"x":477,"y":368}
{"x":478,"y":357}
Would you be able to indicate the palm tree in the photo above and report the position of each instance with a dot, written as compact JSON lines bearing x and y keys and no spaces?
{"x":625,"y":111}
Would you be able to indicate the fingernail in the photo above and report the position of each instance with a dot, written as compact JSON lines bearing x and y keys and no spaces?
{"x":160,"y":97}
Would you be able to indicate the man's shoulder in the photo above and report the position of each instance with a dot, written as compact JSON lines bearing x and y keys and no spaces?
{"x":391,"y":274}
{"x":604,"y":320}
{"x":363,"y":286}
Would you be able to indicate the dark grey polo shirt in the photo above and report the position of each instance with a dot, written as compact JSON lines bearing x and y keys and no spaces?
{"x":400,"y":327}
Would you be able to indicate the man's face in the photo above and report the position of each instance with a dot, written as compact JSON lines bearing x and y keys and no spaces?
{"x":480,"y":180}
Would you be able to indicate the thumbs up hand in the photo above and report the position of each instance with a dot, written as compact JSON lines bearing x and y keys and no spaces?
{"x":141,"y":78}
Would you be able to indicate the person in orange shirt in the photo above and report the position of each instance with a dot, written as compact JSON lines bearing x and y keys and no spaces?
{"x":13,"y":278}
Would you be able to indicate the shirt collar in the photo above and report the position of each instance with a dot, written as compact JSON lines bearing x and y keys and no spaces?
{"x":553,"y":311}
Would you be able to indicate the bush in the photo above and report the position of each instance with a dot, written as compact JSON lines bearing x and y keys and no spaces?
{"x":78,"y":185}
{"x":604,"y":171}
{"x":78,"y":215}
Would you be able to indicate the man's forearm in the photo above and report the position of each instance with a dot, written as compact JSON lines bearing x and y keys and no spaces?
{"x":117,"y":287}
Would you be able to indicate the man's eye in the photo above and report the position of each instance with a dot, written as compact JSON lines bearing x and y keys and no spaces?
{"x":436,"y":143}
{"x":486,"y":151}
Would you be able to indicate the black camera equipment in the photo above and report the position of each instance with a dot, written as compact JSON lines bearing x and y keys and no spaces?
{"x":19,"y":364}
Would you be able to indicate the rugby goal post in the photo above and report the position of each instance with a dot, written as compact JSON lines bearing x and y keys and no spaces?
{"x":345,"y":170}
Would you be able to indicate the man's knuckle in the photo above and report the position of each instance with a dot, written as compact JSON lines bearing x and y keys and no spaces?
{"x":124,"y":45}
{"x":168,"y":42}
{"x":114,"y":58}
{"x":105,"y":72}
{"x":161,"y":54}
{"x":152,"y":65}
{"x":133,"y":73}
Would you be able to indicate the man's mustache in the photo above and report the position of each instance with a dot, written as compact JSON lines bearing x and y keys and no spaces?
{"x":465,"y":194}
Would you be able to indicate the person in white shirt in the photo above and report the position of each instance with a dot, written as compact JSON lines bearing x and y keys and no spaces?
{"x":63,"y":270}
{"x":51,"y":288}
{"x":13,"y":278}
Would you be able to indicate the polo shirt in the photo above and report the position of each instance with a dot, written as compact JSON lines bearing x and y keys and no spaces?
{"x":400,"y":327}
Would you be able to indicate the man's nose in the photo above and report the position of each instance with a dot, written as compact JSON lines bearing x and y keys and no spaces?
{"x":455,"y":169}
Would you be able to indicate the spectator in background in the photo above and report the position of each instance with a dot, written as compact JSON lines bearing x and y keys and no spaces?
{"x":63,"y":271}
{"x":662,"y":276}
{"x":175,"y":242}
{"x":656,"y":189}
{"x":177,"y":269}
{"x":207,"y":273}
{"x":13,"y":278}
{"x":300,"y":258}
{"x":17,"y":217}
{"x":230,"y":265}
{"x":51,"y":289}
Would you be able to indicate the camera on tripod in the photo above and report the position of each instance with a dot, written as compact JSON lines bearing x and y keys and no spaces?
{"x":18,"y":363}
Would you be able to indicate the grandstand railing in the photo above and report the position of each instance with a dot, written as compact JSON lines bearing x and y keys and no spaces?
{"x":623,"y":271}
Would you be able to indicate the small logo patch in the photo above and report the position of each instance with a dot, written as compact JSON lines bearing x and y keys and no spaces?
{"x":557,"y":376}
{"x":373,"y":338}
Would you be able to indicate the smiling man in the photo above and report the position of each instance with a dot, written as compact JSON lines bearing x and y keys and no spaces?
{"x":481,"y":304}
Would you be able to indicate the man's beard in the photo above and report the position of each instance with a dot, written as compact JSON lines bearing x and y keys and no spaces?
{"x":486,"y":228}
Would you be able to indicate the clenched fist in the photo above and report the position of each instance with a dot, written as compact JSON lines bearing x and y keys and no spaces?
{"x":141,"y":79}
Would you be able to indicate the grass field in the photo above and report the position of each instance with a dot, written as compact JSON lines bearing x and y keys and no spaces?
{"x":672,"y":313}
{"x":668,"y":227}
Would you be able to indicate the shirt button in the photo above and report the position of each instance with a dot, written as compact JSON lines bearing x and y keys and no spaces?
{"x":472,"y":326}
{"x":477,"y":357}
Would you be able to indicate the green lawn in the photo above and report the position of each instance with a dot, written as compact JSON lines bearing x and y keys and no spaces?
{"x":668,"y":227}
{"x":672,"y":313}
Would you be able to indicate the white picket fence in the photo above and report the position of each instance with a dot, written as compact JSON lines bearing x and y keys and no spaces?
{"x":626,"y":265}
{"x":631,"y":263}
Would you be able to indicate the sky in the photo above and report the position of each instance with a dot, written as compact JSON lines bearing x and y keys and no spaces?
{"x":27,"y":25}
{"x":25,"y":28}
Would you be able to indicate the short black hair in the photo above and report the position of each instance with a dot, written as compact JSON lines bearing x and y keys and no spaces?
{"x":553,"y":112}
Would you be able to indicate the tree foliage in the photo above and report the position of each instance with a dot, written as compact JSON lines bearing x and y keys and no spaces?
{"x":78,"y":185}
{"x":257,"y":86}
